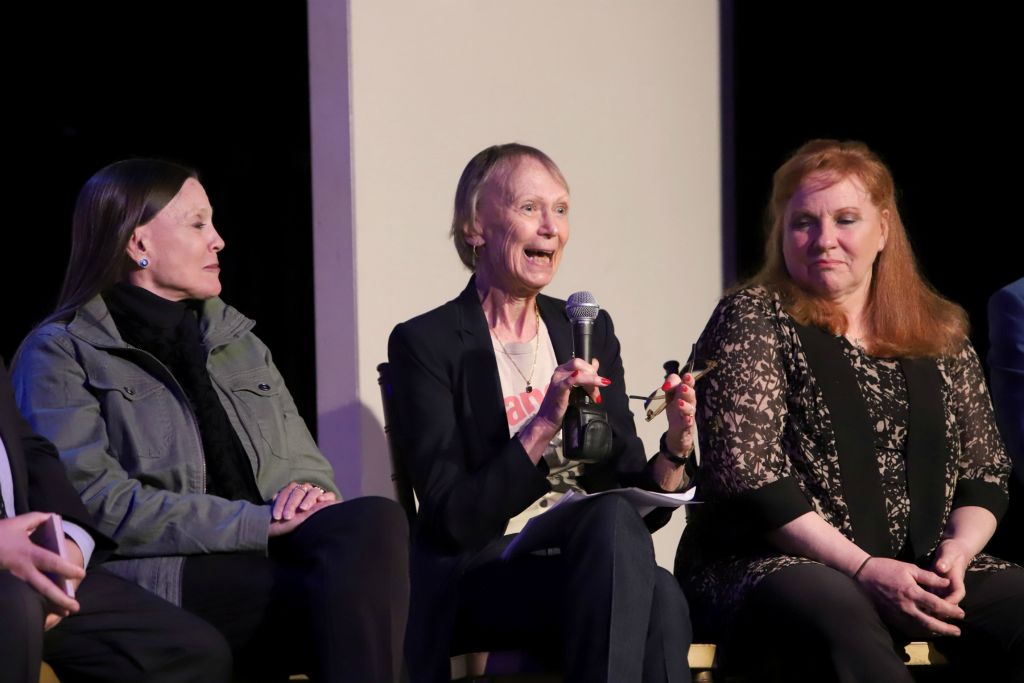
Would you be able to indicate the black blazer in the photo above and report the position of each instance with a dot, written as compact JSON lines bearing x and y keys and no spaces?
{"x":40,"y":483}
{"x":470,"y":477}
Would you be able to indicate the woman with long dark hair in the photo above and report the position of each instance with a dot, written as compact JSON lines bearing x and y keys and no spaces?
{"x":181,"y":437}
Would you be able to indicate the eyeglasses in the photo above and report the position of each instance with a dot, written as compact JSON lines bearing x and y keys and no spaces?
{"x":656,"y":402}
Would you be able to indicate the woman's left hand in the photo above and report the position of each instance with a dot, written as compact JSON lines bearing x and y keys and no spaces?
{"x":681,"y":408}
{"x":951,"y":560}
{"x":295,"y":497}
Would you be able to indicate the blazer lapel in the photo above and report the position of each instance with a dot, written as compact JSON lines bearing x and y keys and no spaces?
{"x":482,"y":401}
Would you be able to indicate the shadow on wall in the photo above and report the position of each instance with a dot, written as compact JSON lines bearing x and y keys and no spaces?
{"x":362,"y":466}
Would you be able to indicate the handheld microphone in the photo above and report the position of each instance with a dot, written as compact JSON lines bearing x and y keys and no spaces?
{"x":586,"y":433}
{"x":582,"y":309}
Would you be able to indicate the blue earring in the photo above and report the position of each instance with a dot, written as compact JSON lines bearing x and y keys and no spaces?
{"x":143,"y":262}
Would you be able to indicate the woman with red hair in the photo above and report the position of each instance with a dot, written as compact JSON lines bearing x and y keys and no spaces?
{"x":852,"y":470}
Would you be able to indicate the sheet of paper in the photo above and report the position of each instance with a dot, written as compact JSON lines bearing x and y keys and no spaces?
{"x":543,"y":531}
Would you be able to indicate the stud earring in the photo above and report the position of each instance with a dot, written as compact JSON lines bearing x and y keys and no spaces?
{"x":143,"y":262}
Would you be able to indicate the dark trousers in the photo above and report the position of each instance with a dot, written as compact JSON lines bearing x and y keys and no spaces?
{"x":602,"y":608}
{"x":811,"y":623}
{"x":121,"y":634}
{"x":330,"y":601}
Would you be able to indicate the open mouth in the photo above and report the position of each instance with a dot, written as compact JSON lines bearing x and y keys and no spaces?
{"x":539,"y":255}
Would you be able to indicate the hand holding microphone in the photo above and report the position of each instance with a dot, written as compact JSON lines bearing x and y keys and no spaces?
{"x":586,"y":432}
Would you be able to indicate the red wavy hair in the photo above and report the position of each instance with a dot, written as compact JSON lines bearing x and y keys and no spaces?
{"x":906,"y":316}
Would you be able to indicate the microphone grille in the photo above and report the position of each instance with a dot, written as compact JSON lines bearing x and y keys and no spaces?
{"x":581,"y":306}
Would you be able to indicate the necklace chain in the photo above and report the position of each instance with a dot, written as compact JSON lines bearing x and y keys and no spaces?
{"x":536,"y":349}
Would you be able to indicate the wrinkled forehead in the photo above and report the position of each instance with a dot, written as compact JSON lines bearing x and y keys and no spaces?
{"x":508,"y":175}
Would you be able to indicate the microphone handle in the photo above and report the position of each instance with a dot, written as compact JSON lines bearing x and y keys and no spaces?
{"x":581,"y":331}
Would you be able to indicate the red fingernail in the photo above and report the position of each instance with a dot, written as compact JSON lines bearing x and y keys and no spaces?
{"x":684,"y":389}
{"x":666,"y":386}
{"x":681,"y":403}
{"x":574,"y":373}
{"x":605,"y":381}
{"x":598,"y":399}
{"x":687,"y":377}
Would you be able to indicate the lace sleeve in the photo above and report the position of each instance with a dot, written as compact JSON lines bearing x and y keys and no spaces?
{"x":742,"y":402}
{"x":984,"y":467}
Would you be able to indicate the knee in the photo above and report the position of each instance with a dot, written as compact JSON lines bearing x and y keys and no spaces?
{"x":825,"y":605}
{"x":20,"y":604}
{"x":668,"y":593}
{"x":204,"y":650}
{"x":370,"y":533}
{"x":613,"y":518}
{"x":382,"y":514}
{"x":205,"y":642}
{"x":379,"y":523}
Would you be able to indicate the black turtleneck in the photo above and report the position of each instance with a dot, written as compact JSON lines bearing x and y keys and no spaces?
{"x":169,"y":330}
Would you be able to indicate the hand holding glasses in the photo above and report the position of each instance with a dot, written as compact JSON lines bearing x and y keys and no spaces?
{"x":656,"y":402}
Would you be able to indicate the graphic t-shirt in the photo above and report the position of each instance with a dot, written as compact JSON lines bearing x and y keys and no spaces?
{"x":521,"y":405}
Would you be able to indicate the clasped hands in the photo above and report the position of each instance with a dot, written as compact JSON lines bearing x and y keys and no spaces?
{"x":920,"y":602}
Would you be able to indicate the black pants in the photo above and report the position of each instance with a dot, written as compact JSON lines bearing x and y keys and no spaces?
{"x":812,"y":623}
{"x":602,"y":608}
{"x":330,"y":601}
{"x":121,"y":634}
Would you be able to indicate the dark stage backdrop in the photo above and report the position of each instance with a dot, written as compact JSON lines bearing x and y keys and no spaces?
{"x":932,"y":90}
{"x":224,"y":90}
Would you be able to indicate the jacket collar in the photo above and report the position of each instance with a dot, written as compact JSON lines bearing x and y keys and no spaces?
{"x":218,"y":324}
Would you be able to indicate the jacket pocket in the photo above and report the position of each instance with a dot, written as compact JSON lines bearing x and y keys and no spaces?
{"x":258,"y":400}
{"x":137,"y":410}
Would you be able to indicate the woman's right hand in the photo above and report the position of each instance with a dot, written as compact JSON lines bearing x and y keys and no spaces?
{"x":537,"y":434}
{"x":902,"y":594}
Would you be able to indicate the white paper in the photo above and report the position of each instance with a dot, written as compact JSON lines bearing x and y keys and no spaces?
{"x":543,"y":531}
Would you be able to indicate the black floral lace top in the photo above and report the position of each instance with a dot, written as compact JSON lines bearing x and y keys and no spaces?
{"x":769,"y":452}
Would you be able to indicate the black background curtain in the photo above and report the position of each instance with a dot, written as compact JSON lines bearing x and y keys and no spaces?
{"x":224,"y":87}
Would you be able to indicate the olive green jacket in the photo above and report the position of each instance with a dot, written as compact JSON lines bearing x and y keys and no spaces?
{"x":131,"y":445}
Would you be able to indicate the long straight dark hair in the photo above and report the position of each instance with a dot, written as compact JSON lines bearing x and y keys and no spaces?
{"x":115,"y":201}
